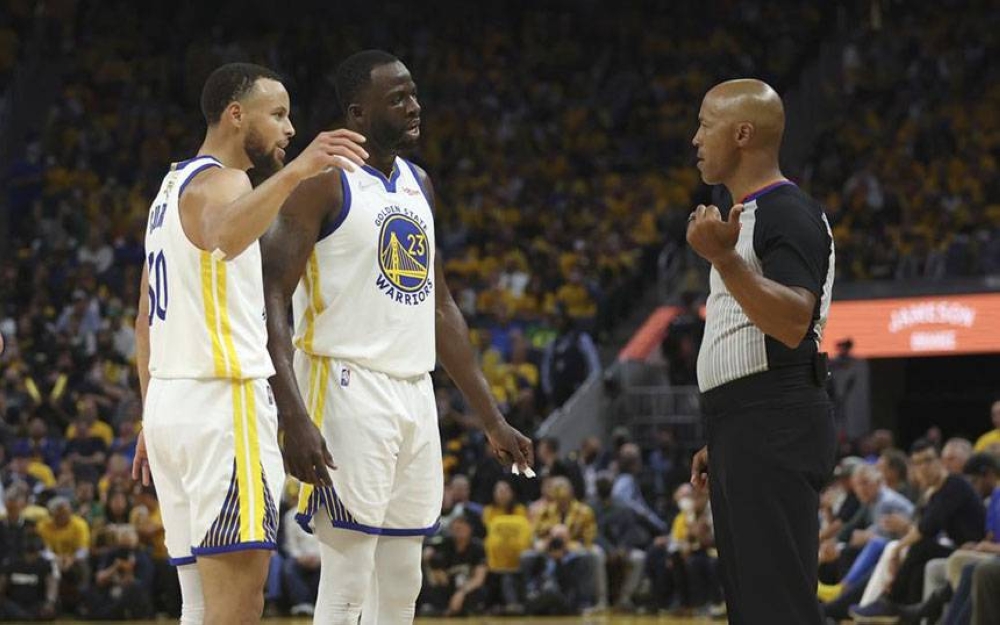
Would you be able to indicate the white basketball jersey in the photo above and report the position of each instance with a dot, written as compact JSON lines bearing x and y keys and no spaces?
{"x":206,"y":316}
{"x":367,"y":295}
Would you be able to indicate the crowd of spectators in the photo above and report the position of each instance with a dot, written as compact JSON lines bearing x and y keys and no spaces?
{"x":908,"y":170}
{"x":914,"y":536}
{"x":560,"y":153}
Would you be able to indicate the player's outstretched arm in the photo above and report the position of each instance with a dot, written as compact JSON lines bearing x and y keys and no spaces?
{"x":457,"y":356}
{"x":285,"y":249}
{"x":220,"y":209}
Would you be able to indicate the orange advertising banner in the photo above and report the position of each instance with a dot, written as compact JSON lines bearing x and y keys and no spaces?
{"x":916,"y":326}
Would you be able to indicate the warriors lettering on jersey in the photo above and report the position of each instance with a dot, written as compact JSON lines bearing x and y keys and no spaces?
{"x":403,"y":256}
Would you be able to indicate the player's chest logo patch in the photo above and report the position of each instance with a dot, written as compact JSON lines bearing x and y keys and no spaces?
{"x":404,"y":259}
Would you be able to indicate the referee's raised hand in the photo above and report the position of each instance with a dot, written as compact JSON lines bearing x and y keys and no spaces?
{"x":711,"y":237}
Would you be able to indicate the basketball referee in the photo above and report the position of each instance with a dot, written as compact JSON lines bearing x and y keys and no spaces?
{"x":770,"y":428}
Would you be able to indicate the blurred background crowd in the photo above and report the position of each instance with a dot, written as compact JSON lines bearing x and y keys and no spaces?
{"x":559,"y":143}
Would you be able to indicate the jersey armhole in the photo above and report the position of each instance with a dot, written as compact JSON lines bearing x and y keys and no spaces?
{"x":180,"y":192}
{"x":192,"y":176}
{"x":330,"y":225}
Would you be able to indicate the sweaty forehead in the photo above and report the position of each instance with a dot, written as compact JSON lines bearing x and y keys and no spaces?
{"x":390,"y":76}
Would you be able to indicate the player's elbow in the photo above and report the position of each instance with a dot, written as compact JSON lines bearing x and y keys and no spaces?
{"x":227,"y":248}
{"x":223,"y":239}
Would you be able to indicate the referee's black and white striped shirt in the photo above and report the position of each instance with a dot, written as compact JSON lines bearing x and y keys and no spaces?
{"x":785,"y":237}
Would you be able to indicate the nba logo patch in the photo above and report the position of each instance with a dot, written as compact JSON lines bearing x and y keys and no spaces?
{"x":345,"y":376}
{"x":270,"y":395}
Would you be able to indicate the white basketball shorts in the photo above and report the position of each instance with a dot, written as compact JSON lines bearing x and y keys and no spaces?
{"x":383,"y":435}
{"x":215,"y":463}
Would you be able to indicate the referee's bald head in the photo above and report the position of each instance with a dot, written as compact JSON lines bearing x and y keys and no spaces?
{"x":740,"y":126}
{"x":753,"y":102}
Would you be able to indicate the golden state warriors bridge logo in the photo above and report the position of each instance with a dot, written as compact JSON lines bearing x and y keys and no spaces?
{"x":404,"y":256}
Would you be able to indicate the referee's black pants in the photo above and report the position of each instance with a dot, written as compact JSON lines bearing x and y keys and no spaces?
{"x":771,"y":446}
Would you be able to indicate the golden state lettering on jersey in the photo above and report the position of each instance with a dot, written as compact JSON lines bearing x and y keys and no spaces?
{"x":403,"y":256}
{"x":367,"y":295}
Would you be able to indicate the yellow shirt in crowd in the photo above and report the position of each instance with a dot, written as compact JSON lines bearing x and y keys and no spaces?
{"x":579,"y":520}
{"x":99,"y":429}
{"x":986,"y":440}
{"x":65,"y":541}
{"x":507,"y":537}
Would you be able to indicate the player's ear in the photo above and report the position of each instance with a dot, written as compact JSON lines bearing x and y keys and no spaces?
{"x":234,"y":113}
{"x":355,"y":112}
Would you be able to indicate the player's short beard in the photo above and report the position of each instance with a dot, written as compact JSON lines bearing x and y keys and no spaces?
{"x":265,"y":161}
{"x":390,"y":137}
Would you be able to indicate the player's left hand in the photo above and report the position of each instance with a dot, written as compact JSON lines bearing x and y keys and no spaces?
{"x":510,"y":446}
{"x":140,"y":465}
{"x":711,"y":237}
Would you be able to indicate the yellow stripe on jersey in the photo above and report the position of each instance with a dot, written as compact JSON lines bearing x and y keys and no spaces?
{"x":324,"y":379}
{"x":259,"y":504}
{"x":316,"y":305}
{"x":319,"y":377}
{"x":242,"y":462}
{"x":211,"y":317}
{"x":307,"y":336}
{"x":235,"y":372}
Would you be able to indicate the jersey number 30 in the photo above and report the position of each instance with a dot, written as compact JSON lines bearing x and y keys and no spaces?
{"x":158,"y":295}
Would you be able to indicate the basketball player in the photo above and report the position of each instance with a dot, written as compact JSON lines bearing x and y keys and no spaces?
{"x":210,"y":423}
{"x":372,"y":314}
{"x":771,"y":434}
